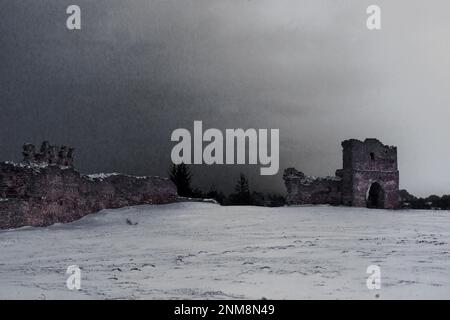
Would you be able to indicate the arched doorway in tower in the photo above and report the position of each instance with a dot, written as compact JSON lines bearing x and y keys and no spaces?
{"x":375,"y":196}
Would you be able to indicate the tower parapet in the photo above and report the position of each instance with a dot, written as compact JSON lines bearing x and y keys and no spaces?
{"x":48,"y":155}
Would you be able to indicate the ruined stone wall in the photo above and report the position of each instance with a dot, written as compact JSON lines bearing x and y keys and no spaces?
{"x":40,"y":194}
{"x":302,"y":189}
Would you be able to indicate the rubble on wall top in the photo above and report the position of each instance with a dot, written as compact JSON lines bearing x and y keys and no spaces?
{"x":311,"y":179}
{"x":103,"y":176}
{"x":32,"y":165}
{"x":292,"y":173}
{"x":367,"y":141}
{"x":48,"y":154}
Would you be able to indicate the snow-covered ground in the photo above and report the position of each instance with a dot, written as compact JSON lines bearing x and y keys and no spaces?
{"x":204,"y":251}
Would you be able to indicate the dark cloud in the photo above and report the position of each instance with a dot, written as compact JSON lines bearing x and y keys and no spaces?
{"x":140,"y":69}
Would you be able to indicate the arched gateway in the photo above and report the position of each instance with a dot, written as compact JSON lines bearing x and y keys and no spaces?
{"x":375,"y":196}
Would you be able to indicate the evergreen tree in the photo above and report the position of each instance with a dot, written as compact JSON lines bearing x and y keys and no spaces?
{"x":181,"y":175}
{"x":241,"y":195}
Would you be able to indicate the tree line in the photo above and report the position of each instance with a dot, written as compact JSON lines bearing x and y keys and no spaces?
{"x":432,"y":202}
{"x":181,"y":176}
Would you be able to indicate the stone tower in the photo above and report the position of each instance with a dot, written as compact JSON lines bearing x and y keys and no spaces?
{"x":370,"y":176}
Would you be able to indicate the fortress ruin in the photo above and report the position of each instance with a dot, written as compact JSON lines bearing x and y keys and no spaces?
{"x":369,"y":178}
{"x":45,"y":189}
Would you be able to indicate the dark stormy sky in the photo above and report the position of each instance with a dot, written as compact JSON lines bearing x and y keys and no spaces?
{"x":139,"y":69}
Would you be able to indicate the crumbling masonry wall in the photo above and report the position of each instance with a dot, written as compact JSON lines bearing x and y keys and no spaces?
{"x":46,"y":189}
{"x":304,"y":189}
